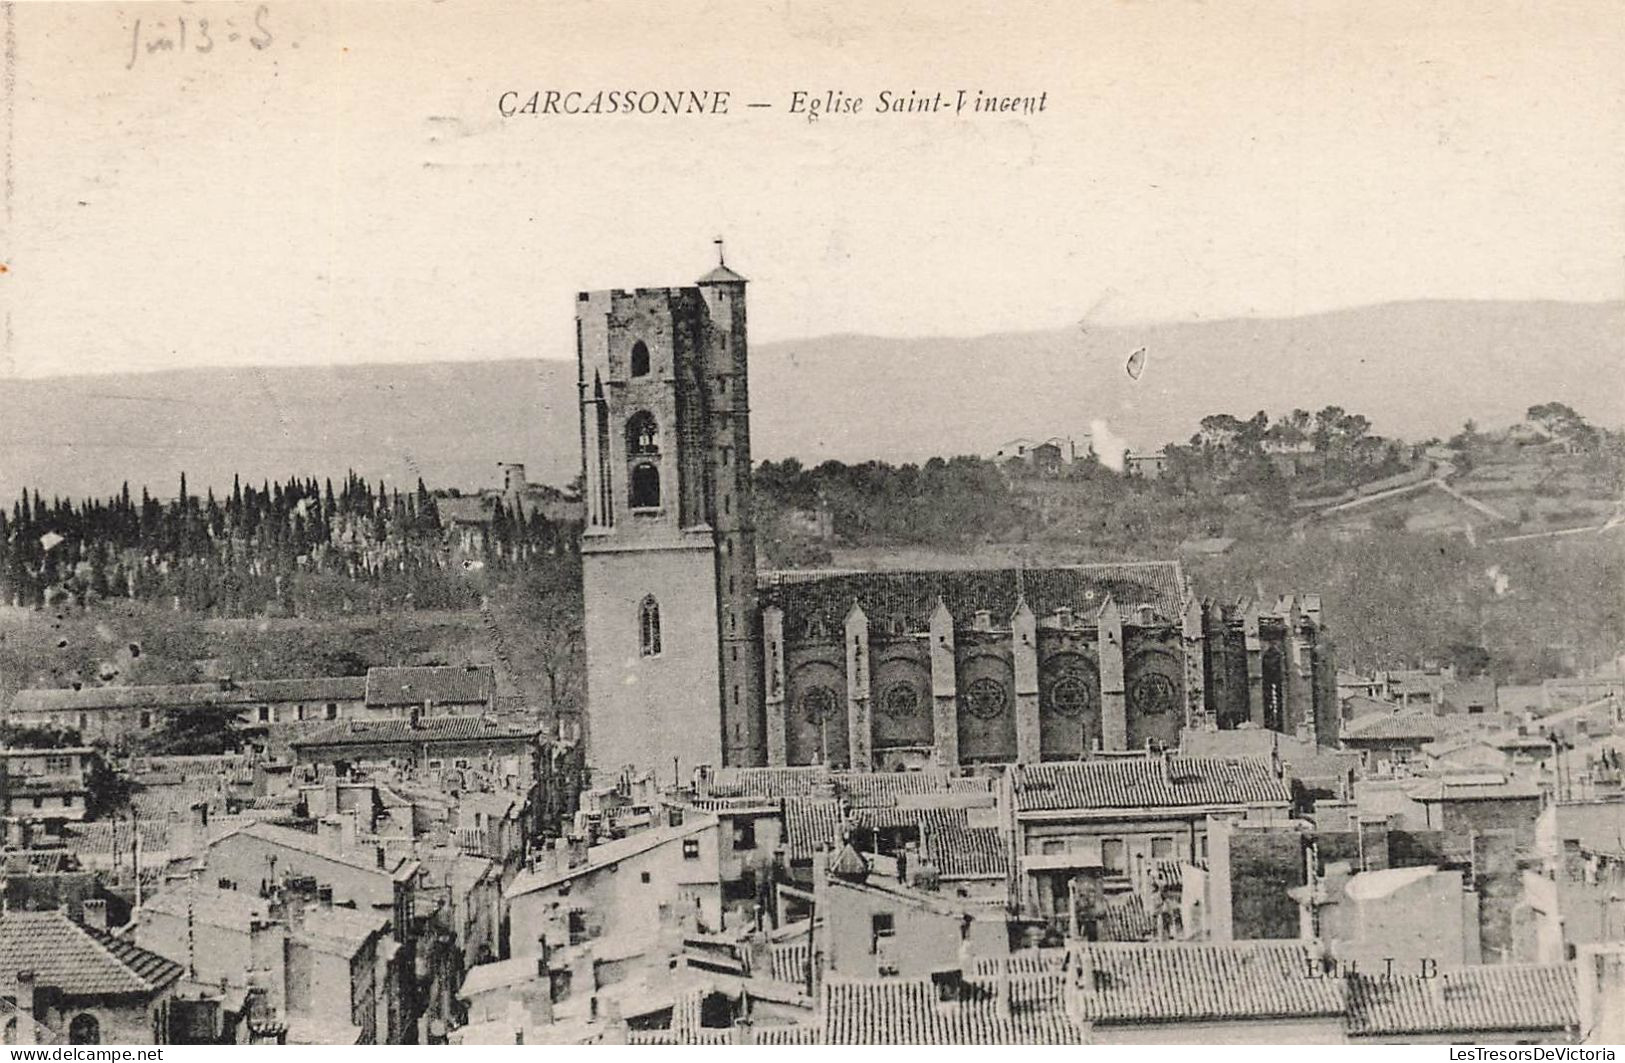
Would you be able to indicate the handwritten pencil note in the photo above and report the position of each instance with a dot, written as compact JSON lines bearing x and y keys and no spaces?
{"x":200,"y":35}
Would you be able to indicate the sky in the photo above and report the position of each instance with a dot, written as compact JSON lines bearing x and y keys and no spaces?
{"x":349,"y":192}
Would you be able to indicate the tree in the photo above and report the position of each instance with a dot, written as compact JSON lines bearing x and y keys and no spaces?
{"x":1562,"y":422}
{"x":107,"y":791}
{"x":196,"y":731}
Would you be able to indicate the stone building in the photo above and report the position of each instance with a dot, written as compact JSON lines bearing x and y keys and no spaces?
{"x":668,"y":550}
{"x":901,"y":670}
{"x":68,"y":982}
{"x":693,"y":661}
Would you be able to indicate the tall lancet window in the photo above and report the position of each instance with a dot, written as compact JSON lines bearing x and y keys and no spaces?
{"x":606,"y":503}
{"x":649,"y":627}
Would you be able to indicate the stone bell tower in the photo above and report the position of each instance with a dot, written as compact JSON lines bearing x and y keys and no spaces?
{"x":669,"y":549}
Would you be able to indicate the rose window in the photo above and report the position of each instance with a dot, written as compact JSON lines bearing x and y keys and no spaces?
{"x":1153,"y":694}
{"x":819,"y":704}
{"x":900,"y":699}
{"x":1069,"y":695}
{"x":986,"y":698}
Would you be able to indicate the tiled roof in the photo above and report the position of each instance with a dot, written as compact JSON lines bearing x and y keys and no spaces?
{"x":811,"y":823}
{"x":891,"y":817}
{"x":1392,"y":727}
{"x":309,"y":844}
{"x":732,"y":805}
{"x":789,"y":960}
{"x":609,"y":854}
{"x":766,"y":782}
{"x":1026,"y":961}
{"x":912,"y":596}
{"x":861,"y":788}
{"x":880,"y":788}
{"x":752,"y":1035}
{"x":107,"y":837}
{"x":787,"y":1035}
{"x":1468,"y":1000}
{"x":77,"y":960}
{"x":1124,"y":918}
{"x":208,"y":905}
{"x":427,"y":729}
{"x":722,"y":275}
{"x":1147,"y":782}
{"x":1490,"y":786}
{"x":966,"y":852}
{"x":1157,"y":983}
{"x":500,"y":974}
{"x":442,"y":685}
{"x":190,"y":695}
{"x":339,"y":931}
{"x":909,"y":1011}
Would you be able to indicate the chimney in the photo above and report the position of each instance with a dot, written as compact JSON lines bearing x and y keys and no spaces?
{"x":27,"y":1003}
{"x":324,"y":896}
{"x":584,"y":976}
{"x":1374,"y":854}
{"x":93,"y":913}
{"x":538,"y":994}
{"x":417,"y":717}
{"x":42,"y":999}
{"x":267,"y":963}
{"x":382,"y":857}
{"x":331,"y":829}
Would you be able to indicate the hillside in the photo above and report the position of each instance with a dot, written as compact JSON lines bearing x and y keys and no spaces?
{"x":1416,"y":369}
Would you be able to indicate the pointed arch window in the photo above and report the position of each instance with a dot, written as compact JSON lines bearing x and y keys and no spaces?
{"x":640,"y":359}
{"x":649,"y":627}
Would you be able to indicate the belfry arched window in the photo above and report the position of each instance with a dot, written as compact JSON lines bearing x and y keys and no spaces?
{"x":640,"y":359}
{"x":649,"y":627}
{"x":645,"y":486}
{"x":643,"y":451}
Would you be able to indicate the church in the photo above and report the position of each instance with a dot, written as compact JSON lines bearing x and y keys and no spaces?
{"x":695,"y":659}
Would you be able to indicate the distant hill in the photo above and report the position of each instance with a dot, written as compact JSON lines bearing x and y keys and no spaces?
{"x":1416,"y":369}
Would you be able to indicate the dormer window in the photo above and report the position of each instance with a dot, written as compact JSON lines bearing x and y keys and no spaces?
{"x":640,"y":359}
